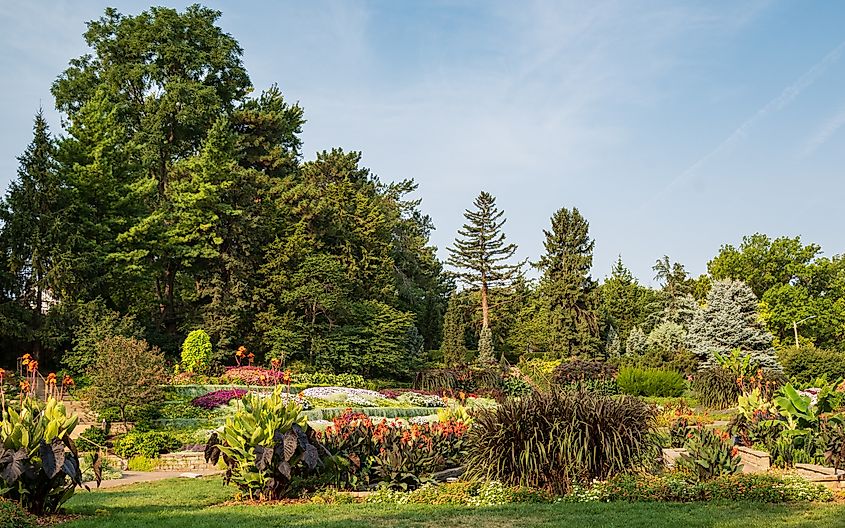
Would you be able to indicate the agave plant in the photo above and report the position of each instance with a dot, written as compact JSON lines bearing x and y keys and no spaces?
{"x":266,"y":446}
{"x":39,"y":463}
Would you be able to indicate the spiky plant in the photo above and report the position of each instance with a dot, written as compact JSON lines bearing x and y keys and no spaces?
{"x":556,"y":439}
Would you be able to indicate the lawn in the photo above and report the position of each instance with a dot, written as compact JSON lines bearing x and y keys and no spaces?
{"x":195,"y":504}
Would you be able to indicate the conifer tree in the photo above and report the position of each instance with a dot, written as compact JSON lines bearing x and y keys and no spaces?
{"x":31,"y":222}
{"x":635,"y":345}
{"x":454,"y":326}
{"x":729,"y":321}
{"x":480,"y":254}
{"x":567,"y":286}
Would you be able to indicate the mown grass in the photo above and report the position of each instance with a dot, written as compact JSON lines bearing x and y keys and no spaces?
{"x":196,"y":504}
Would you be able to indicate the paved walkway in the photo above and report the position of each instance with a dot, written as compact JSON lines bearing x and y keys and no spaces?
{"x":134,"y":477}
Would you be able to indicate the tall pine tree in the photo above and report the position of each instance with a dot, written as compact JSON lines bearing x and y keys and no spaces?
{"x":567,"y":286}
{"x":481,"y":257}
{"x":30,"y":235}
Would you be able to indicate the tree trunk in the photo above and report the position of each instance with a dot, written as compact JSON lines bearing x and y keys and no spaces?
{"x":485,"y":309}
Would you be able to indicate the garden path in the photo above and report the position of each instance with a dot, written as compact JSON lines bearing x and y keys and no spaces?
{"x":134,"y":477}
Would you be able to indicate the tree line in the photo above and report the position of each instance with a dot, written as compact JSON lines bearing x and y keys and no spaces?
{"x":177,"y":197}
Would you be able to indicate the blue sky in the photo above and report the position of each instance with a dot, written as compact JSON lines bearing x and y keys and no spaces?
{"x":674,"y":127}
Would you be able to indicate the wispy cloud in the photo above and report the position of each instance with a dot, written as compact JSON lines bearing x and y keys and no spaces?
{"x":828,"y":128}
{"x":786,"y":96}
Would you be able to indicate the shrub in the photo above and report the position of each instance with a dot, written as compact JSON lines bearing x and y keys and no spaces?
{"x":716,"y":388}
{"x":709,"y":455}
{"x":141,"y":463}
{"x":461,"y":494}
{"x":515,"y":387}
{"x":218,"y":398}
{"x":538,"y":370}
{"x":579,"y":370}
{"x":457,"y":380}
{"x":127,"y":375}
{"x":253,"y":376}
{"x":92,"y":439}
{"x":13,"y":516}
{"x":328,"y":379}
{"x":675,"y":487}
{"x":556,"y":439}
{"x":806,"y":364}
{"x":267,"y":446}
{"x":196,"y":352}
{"x":39,"y":465}
{"x":401,"y":456}
{"x":149,"y":444}
{"x":651,"y":382}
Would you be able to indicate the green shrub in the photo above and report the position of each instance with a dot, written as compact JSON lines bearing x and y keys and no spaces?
{"x":807,"y":364}
{"x":515,"y":387}
{"x":461,"y":494}
{"x":651,"y":382}
{"x":676,"y":487}
{"x":578,"y":370}
{"x":141,"y":463}
{"x":196,"y":352}
{"x":39,"y":468}
{"x":556,"y":439}
{"x":149,"y":444}
{"x":91,"y":439}
{"x":13,"y":516}
{"x":716,"y":388}
{"x":328,"y":379}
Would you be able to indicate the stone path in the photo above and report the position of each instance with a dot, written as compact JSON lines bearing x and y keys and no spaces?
{"x":134,"y":477}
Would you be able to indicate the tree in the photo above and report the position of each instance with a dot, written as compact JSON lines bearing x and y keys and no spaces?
{"x":93,"y":323}
{"x":763,"y":263}
{"x":196,"y":352}
{"x":567,"y":287}
{"x":636,"y":344}
{"x":729,"y":320}
{"x":480,"y":254}
{"x":677,"y":303}
{"x":32,"y":218}
{"x":453,"y":347}
{"x":127,"y":375}
{"x":624,"y":302}
{"x":666,"y":347}
{"x":162,"y":94}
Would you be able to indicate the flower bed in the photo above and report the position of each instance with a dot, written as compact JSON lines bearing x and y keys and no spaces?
{"x":218,"y":398}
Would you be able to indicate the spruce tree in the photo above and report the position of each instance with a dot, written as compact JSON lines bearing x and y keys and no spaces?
{"x":624,"y":302}
{"x":480,"y":253}
{"x":567,"y":287}
{"x":31,"y":223}
{"x":635,"y":345}
{"x":729,"y":321}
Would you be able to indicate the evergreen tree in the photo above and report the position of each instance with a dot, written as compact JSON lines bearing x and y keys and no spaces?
{"x":31,"y":234}
{"x":613,"y":344}
{"x":567,"y":287}
{"x":635,"y":345}
{"x":624,"y":302}
{"x":453,"y":347}
{"x":480,"y":254}
{"x":729,"y":321}
{"x":676,"y":303}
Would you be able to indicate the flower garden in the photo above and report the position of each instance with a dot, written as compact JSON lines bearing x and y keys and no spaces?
{"x":550,"y":432}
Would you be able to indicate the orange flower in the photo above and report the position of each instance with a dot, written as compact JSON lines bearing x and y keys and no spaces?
{"x":26,"y":359}
{"x":25,"y":386}
{"x":32,"y":366}
{"x":275,"y":363}
{"x":240,"y":352}
{"x":51,"y":378}
{"x":2,"y":375}
{"x":67,"y":381}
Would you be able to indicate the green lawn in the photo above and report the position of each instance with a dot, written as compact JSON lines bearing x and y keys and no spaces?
{"x":193,"y":504}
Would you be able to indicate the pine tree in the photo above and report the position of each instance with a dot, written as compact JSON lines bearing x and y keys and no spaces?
{"x":480,"y":253}
{"x":729,"y":321}
{"x":567,"y":287}
{"x":31,"y":215}
{"x":676,"y":303}
{"x":624,"y":302}
{"x":453,"y":347}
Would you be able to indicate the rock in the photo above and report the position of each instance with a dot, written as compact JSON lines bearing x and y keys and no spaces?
{"x":190,"y":475}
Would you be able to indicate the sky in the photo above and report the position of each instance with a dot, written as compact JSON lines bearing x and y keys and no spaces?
{"x":674,"y":127}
